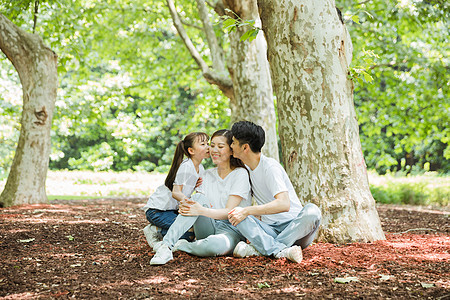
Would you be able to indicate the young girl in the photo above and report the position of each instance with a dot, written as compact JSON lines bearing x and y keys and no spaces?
{"x":161,"y":209}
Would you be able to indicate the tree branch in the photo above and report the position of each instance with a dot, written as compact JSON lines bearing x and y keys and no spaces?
{"x":184,"y":22}
{"x":158,"y":78}
{"x":218,"y":7}
{"x":224,"y":83}
{"x":36,"y":11}
{"x":216,"y":50}
{"x":416,"y":229}
{"x":363,"y":2}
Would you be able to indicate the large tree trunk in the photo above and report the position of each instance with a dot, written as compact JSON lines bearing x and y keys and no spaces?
{"x":309,"y":50}
{"x":249,"y":68}
{"x":248,"y":88}
{"x":36,"y":65}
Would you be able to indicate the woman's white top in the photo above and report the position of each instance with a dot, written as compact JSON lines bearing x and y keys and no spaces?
{"x":186,"y":176}
{"x":217,"y":190}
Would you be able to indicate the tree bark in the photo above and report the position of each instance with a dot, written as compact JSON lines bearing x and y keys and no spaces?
{"x":309,"y":50}
{"x":248,"y":86}
{"x":36,"y":65}
{"x":249,"y":69}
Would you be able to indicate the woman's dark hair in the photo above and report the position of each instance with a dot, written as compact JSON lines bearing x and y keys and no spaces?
{"x":234,"y":162}
{"x":249,"y":133}
{"x":180,"y":152}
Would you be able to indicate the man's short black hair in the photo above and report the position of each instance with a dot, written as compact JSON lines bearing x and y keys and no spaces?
{"x":249,"y":133}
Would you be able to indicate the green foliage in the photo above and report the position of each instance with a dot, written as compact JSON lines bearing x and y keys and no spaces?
{"x":10,"y":110}
{"x":360,"y":72}
{"x":230,"y":24}
{"x":129,"y":90}
{"x":405,"y":112}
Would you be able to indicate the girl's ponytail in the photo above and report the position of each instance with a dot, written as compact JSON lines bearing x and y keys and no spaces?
{"x":180,"y":151}
{"x":176,"y":162}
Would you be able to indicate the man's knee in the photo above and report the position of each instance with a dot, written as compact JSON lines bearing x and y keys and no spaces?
{"x":250,"y":221}
{"x":313,"y":211}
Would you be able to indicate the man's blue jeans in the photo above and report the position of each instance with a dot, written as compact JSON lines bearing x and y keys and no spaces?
{"x":164,"y":219}
{"x":269,"y":239}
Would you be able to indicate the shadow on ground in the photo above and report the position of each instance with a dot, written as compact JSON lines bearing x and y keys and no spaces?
{"x":94,"y":249}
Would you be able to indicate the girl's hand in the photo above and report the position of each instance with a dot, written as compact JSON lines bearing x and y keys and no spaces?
{"x":199,"y":182}
{"x":194,"y":209}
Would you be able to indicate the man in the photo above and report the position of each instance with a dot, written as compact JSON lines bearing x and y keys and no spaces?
{"x":285,"y":227}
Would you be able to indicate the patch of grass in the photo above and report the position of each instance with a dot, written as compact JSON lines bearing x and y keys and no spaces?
{"x":427,"y":189}
{"x":94,"y":182}
{"x":70,"y":197}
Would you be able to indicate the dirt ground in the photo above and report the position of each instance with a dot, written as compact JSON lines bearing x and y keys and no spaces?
{"x":95,"y":249}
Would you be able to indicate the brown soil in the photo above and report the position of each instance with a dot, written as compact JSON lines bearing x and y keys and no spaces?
{"x":95,"y":249}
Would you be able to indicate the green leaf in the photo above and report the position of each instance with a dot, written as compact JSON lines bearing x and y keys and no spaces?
{"x":253,"y":34}
{"x":355,"y":19}
{"x":245,"y":36}
{"x":263,"y":285}
{"x":71,"y":238}
{"x":228,"y":23}
{"x":367,"y":76}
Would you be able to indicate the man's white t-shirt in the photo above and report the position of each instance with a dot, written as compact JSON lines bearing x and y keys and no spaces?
{"x":217,"y":190}
{"x":186,"y":176}
{"x":269,"y":179}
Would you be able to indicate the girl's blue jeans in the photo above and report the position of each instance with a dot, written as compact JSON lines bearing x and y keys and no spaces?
{"x":164,"y":219}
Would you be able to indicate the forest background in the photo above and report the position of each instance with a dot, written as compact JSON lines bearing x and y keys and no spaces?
{"x":129,"y":89}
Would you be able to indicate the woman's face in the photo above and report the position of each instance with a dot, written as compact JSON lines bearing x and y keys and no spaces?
{"x":220,"y":150}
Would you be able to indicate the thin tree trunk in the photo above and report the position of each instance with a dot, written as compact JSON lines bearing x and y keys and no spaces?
{"x":222,"y":81}
{"x":249,"y":68}
{"x":309,"y":50}
{"x":248,"y":88}
{"x":36,"y":65}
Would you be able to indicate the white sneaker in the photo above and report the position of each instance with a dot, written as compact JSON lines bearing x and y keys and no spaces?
{"x":157,"y":245}
{"x":293,"y":253}
{"x":178,"y":244}
{"x":162,"y":255}
{"x":243,"y":249}
{"x":151,"y":234}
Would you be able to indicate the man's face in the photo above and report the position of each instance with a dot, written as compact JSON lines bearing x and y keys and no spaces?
{"x":237,"y":149}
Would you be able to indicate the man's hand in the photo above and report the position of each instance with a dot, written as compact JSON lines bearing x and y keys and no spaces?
{"x":237,"y":215}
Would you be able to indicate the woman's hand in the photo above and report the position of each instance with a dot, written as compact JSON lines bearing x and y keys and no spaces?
{"x":191,"y":209}
{"x":187,"y":202}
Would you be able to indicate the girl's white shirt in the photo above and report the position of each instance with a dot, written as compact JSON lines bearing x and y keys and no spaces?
{"x":186,"y":176}
{"x":217,"y":190}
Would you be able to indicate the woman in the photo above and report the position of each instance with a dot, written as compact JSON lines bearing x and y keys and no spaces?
{"x":224,"y":188}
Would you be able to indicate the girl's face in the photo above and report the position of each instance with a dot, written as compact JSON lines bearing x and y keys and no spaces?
{"x":200,"y":148}
{"x":220,"y":150}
